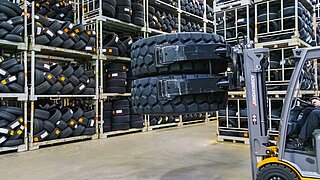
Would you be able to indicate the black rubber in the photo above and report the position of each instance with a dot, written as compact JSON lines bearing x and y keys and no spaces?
{"x":117,"y":67}
{"x":17,"y":30}
{"x":42,"y":65}
{"x":108,"y":10}
{"x":43,"y":40}
{"x":116,"y":83}
{"x":121,"y":111}
{"x":3,"y":17}
{"x":67,"y":44}
{"x":79,"y":88}
{"x":50,"y":78}
{"x":67,"y":114}
{"x":89,"y":131}
{"x":63,"y":79}
{"x":8,"y":63}
{"x":137,"y":124}
{"x":74,"y":80}
{"x":67,"y":88}
{"x":56,"y":70}
{"x":3,"y":32}
{"x":120,"y":90}
{"x":56,"y":42}
{"x":3,"y":123}
{"x":21,"y":79}
{"x":39,"y":77}
{"x":66,"y":132}
{"x":13,"y":37}
{"x":78,"y":112}
{"x":120,"y":126}
{"x":89,"y":114}
{"x":89,"y":73}
{"x":84,"y":37}
{"x":63,"y":35}
{"x":12,"y":143}
{"x":79,"y":130}
{"x":43,"y":87}
{"x":84,"y":121}
{"x":137,"y":7}
{"x":16,"y":69}
{"x":55,"y":88}
{"x":117,"y":75}
{"x":72,"y":123}
{"x":124,"y":3}
{"x":276,"y":171}
{"x":84,"y":79}
{"x":138,"y":21}
{"x":68,"y":71}
{"x":67,"y":26}
{"x":61,"y":125}
{"x":54,"y":134}
{"x":92,"y":83}
{"x":121,"y":119}
{"x":78,"y":71}
{"x":89,"y":91}
{"x":55,"y":26}
{"x":124,"y":17}
{"x":5,"y":25}
{"x":49,"y":126}
{"x":55,"y":116}
{"x":79,"y":28}
{"x":145,"y":100}
{"x":41,"y":114}
{"x":14,"y":87}
{"x":42,"y":20}
{"x":120,"y":104}
{"x":143,"y":55}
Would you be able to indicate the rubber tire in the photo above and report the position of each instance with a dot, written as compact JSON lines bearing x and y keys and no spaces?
{"x":49,"y":126}
{"x":89,"y":114}
{"x":120,"y":126}
{"x":67,"y":88}
{"x":89,"y":131}
{"x":55,"y":116}
{"x":145,"y":100}
{"x":41,"y":114}
{"x":14,"y":87}
{"x":42,"y":88}
{"x":79,"y":130}
{"x":37,"y":125}
{"x":143,"y":58}
{"x":276,"y":170}
{"x":121,"y":119}
{"x":61,"y":125}
{"x":12,"y":143}
{"x":66,"y":132}
{"x":67,"y":114}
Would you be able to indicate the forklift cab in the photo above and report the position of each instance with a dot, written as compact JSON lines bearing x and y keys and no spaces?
{"x":270,"y":161}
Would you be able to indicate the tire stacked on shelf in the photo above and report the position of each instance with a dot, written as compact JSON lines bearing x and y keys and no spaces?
{"x":52,"y":79}
{"x":193,"y":7}
{"x":116,"y":78}
{"x":192,"y":117}
{"x":11,"y":126}
{"x":65,"y":35}
{"x":55,"y":9}
{"x":11,"y":22}
{"x":137,"y":13}
{"x":162,"y":21}
{"x":188,"y":26}
{"x":159,"y":120}
{"x":53,"y":122}
{"x":117,"y":45}
{"x":123,"y":10}
{"x":145,"y":92}
{"x":12,"y":78}
{"x":117,"y":115}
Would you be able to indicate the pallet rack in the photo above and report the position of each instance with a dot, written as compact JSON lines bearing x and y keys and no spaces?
{"x":20,"y":51}
{"x":59,"y":55}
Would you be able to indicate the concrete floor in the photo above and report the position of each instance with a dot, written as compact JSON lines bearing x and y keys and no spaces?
{"x":182,"y":153}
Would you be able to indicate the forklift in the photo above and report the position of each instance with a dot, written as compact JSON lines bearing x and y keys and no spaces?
{"x":275,"y":161}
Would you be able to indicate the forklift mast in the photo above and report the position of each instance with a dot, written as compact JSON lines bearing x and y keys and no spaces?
{"x":255,"y":65}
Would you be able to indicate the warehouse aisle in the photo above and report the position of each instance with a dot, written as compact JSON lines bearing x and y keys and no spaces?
{"x":185,"y":153}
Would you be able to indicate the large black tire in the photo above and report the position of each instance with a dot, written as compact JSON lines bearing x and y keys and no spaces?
{"x":143,"y":55}
{"x":276,"y":171}
{"x":145,"y":100}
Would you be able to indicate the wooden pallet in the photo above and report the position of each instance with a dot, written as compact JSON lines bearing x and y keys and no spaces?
{"x":20,"y":148}
{"x":233,"y":139}
{"x":34,"y":146}
{"x":121,"y":132}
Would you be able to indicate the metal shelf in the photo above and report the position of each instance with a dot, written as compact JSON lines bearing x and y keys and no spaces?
{"x":114,"y":58}
{"x":19,"y":96}
{"x":5,"y":44}
{"x":192,"y":16}
{"x":65,"y":96}
{"x":61,"y":52}
{"x":106,"y":95}
{"x":163,"y":5}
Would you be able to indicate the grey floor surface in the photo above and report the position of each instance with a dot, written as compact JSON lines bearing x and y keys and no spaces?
{"x":171,"y":154}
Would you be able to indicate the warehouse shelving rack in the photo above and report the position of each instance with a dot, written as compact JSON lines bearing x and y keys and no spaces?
{"x":59,"y":55}
{"x":21,"y":99}
{"x":223,"y":28}
{"x":285,"y":41}
{"x":218,"y":7}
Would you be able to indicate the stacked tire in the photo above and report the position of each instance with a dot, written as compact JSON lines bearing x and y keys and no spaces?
{"x":55,"y":9}
{"x":11,"y":22}
{"x":65,"y":35}
{"x":123,"y":10}
{"x":192,"y":117}
{"x":193,"y":7}
{"x":188,"y":26}
{"x":145,"y":93}
{"x":117,"y":45}
{"x":137,"y":13}
{"x":52,"y":122}
{"x":117,"y":116}
{"x":51,"y":79}
{"x":12,"y":78}
{"x":116,"y":78}
{"x":159,"y":120}
{"x":162,"y":21}
{"x":11,"y":126}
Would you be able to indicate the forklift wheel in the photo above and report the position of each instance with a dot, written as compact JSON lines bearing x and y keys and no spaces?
{"x":276,"y":171}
